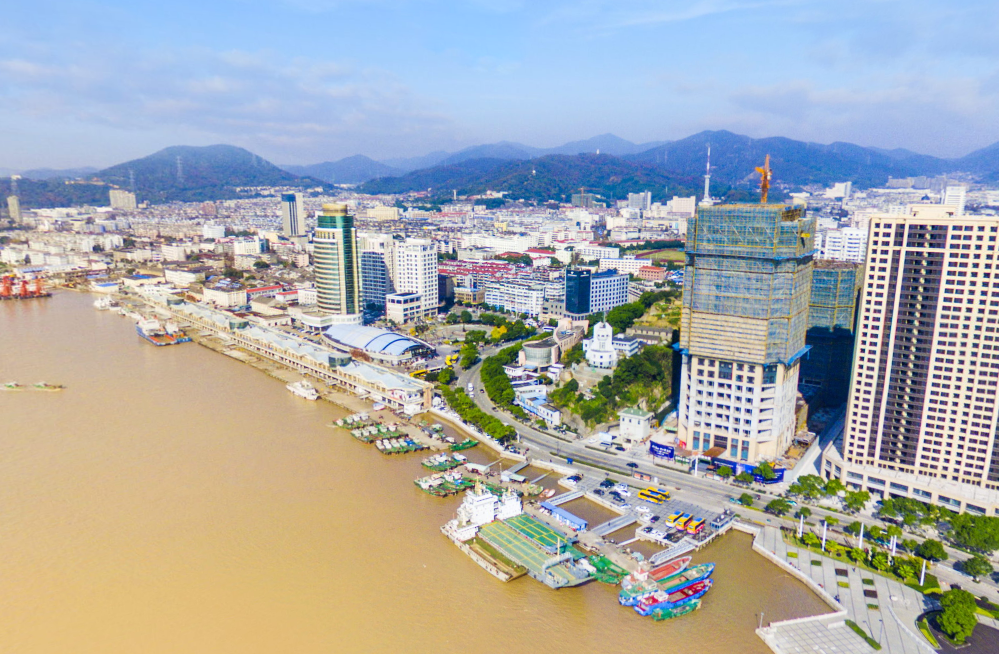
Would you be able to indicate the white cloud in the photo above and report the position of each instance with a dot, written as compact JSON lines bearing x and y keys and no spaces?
{"x":288,"y":107}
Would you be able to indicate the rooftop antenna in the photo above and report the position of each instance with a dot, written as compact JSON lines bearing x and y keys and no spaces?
{"x":765,"y":176}
{"x":707,"y":201}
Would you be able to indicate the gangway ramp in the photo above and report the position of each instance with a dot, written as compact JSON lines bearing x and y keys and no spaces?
{"x":517,"y":468}
{"x":537,"y":479}
{"x":566,"y":497}
{"x":679,"y":549}
{"x":614,"y":524}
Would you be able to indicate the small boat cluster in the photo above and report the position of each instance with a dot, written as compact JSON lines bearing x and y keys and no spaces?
{"x":399,"y":445}
{"x":40,"y":386}
{"x":667,"y":591}
{"x":371,"y":433}
{"x":444,"y":484}
{"x":444,"y":461}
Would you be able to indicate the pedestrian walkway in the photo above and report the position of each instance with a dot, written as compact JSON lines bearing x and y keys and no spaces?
{"x":866,"y":604}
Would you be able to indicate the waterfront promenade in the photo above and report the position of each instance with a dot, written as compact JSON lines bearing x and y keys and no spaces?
{"x":884,"y":608}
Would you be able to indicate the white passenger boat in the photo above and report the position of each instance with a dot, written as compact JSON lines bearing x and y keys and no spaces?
{"x":303,"y":389}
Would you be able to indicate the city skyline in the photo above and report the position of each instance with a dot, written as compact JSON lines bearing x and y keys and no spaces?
{"x":405,"y":80}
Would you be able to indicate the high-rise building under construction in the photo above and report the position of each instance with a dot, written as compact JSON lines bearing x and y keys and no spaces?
{"x":747,"y":280}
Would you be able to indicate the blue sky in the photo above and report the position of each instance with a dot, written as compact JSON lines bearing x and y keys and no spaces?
{"x":89,"y":82}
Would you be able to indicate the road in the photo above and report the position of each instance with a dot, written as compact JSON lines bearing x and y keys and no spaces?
{"x":708,"y":493}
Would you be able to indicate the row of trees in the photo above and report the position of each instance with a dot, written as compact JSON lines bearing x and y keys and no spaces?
{"x":472,"y":414}
{"x":973,"y":532}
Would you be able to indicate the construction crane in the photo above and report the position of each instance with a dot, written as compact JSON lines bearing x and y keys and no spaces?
{"x":765,"y":176}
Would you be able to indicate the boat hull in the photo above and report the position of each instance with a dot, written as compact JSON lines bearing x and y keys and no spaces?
{"x":669,"y":614}
{"x":699,"y":589}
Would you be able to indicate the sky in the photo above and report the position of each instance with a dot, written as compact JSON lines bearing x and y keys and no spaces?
{"x":94,"y":83}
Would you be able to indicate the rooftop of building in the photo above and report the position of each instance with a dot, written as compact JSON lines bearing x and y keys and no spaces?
{"x":835,"y":264}
{"x":542,"y":344}
{"x":635,"y":412}
{"x":372,"y":339}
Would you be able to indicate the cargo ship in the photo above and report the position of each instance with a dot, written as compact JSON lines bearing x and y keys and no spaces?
{"x":304,"y":390}
{"x":662,"y":600}
{"x":644,"y":581}
{"x":156,"y":333}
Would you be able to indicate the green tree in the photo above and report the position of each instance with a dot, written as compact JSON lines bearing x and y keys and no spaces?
{"x":958,"y":619}
{"x":746,"y":499}
{"x":857,"y":555}
{"x":904,"y":569}
{"x":452,"y":319}
{"x":778,"y":507}
{"x":811,"y":539}
{"x":744,"y":477}
{"x":831,"y":521}
{"x":261,"y":265}
{"x":910,"y":545}
{"x":932,"y":550}
{"x":469,"y":355}
{"x":573,"y":355}
{"x":446,"y":376}
{"x":624,"y":316}
{"x":466,"y":317}
{"x":853,"y":528}
{"x":977,"y":566}
{"x":766,"y":471}
{"x":875,"y":533}
{"x":834,"y":486}
{"x":855,"y":500}
{"x":805,"y":512}
{"x":893,"y":530}
{"x":724,"y":472}
{"x":880,"y":561}
{"x":975,"y":532}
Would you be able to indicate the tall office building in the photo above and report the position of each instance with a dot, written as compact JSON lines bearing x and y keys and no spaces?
{"x":641,"y":201}
{"x":292,"y":214}
{"x":921,"y":418}
{"x":824,"y":379}
{"x":14,"y":208}
{"x":416,"y":272}
{"x":747,"y":281}
{"x":587,"y":293}
{"x":338,"y":273}
{"x":847,"y":244}
{"x":376,"y":282}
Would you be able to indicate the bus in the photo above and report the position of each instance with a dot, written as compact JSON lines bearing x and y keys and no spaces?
{"x":451,"y":359}
{"x":650,"y":496}
{"x":419,"y":374}
{"x":681,"y":522}
{"x":695,"y":526}
{"x":671,"y":520}
{"x":661,"y":492}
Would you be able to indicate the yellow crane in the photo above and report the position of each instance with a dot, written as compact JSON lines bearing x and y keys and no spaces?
{"x":765,"y":176}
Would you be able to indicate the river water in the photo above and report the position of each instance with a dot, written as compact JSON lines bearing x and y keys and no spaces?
{"x":175,"y":500}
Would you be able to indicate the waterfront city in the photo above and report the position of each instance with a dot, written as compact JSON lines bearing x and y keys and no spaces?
{"x":356,"y":372}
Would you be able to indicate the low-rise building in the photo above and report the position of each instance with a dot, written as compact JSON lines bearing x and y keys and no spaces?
{"x":636,"y":424}
{"x":626,"y":346}
{"x":517,"y":297}
{"x":599,"y":350}
{"x":464,"y":295}
{"x":534,"y":400}
{"x":403,"y":307}
{"x":226,"y":294}
{"x":651,"y":273}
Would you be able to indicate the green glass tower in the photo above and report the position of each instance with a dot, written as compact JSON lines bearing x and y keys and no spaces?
{"x":338,"y":276}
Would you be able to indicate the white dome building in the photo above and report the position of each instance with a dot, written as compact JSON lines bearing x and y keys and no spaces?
{"x":599,"y":350}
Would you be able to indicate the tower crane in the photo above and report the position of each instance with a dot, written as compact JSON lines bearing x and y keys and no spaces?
{"x":765,"y":176}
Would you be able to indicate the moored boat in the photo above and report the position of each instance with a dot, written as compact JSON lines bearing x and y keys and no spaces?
{"x":676,"y":612}
{"x":304,"y":390}
{"x":12,"y":386}
{"x":644,"y":581}
{"x":42,"y":386}
{"x":638,"y":592}
{"x":663,"y":600}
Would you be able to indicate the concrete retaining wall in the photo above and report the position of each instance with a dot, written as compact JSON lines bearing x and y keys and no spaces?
{"x":456,"y":421}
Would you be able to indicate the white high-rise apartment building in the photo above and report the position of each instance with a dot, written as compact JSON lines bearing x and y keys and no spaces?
{"x":922,"y":412}
{"x":955,"y":196}
{"x":122,"y":200}
{"x":292,"y":214}
{"x":416,"y":272}
{"x":847,"y":244}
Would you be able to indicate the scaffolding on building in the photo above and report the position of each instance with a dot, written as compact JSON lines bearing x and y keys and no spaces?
{"x":751,"y":262}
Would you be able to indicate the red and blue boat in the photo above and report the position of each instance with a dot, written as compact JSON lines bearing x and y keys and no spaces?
{"x":633,"y":595}
{"x":661,"y":600}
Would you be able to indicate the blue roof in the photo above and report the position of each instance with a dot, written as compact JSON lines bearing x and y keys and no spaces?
{"x":372,"y":339}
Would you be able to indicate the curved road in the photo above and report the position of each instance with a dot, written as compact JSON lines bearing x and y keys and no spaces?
{"x":708,"y":493}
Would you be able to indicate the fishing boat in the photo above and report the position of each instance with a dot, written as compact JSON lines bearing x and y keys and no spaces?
{"x":304,"y":390}
{"x":42,"y":386}
{"x":12,"y":386}
{"x":663,"y":600}
{"x":644,"y":581}
{"x":683,"y":609}
{"x":634,"y":594}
